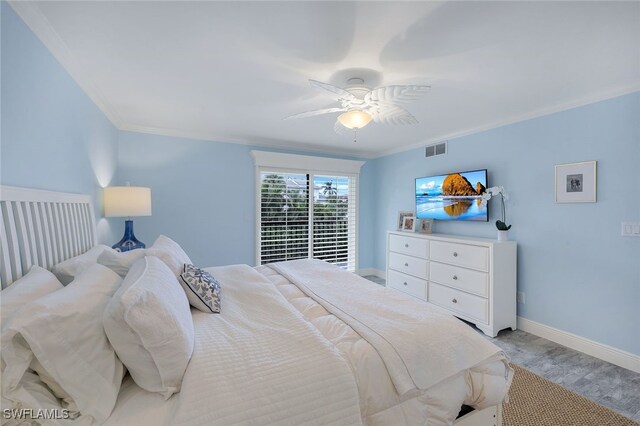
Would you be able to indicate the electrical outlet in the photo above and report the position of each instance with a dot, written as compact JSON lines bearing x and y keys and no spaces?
{"x":520,"y":297}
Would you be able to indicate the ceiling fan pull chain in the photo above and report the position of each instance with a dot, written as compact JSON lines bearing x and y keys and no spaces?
{"x":355,"y":135}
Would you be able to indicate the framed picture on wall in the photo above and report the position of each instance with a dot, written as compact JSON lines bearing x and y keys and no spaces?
{"x":401,"y":215}
{"x":576,"y":182}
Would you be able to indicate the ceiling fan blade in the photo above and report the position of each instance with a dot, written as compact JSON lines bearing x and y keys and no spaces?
{"x":314,"y":113}
{"x":335,"y":92}
{"x":395,"y":94}
{"x":392,"y":114}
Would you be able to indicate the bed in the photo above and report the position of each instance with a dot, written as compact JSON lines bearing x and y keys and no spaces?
{"x":297,"y":342}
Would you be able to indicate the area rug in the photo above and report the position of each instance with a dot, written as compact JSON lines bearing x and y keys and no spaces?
{"x":536,"y":401}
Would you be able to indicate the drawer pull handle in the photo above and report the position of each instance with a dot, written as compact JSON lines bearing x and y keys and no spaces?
{"x":406,"y":245}
{"x":405,"y":283}
{"x":455,"y":254}
{"x":455,"y":301}
{"x":455,"y":277}
{"x":406,"y":264}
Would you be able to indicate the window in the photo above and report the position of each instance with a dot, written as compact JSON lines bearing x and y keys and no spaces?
{"x":306,"y":213}
{"x":284,"y":217}
{"x":334,"y":220}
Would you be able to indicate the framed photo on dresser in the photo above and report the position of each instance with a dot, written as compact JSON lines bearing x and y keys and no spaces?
{"x":401,"y":215}
{"x":425,"y":226}
{"x":409,"y":223}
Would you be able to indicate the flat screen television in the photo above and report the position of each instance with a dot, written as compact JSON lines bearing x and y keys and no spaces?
{"x":454,"y":196}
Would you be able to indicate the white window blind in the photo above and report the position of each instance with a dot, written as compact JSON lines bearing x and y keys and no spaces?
{"x":307,"y":215}
{"x":334,"y":220}
{"x":284,"y":216}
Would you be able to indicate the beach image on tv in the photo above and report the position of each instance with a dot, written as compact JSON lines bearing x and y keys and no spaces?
{"x":456,"y":196}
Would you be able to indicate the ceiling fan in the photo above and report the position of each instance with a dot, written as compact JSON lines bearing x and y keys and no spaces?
{"x":360,"y":105}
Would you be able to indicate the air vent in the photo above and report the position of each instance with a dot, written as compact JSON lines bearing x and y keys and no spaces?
{"x":436,"y":149}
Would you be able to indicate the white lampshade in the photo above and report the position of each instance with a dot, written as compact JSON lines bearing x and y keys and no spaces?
{"x":129,"y":201}
{"x":354,"y":119}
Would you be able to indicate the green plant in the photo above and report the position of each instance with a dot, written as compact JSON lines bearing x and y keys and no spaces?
{"x":502,"y":226}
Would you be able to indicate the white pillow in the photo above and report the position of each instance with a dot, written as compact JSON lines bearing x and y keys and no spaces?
{"x":37,"y":283}
{"x":170,"y":253}
{"x":62,"y":333}
{"x":118,"y":262}
{"x":149,"y":324}
{"x":67,"y":270}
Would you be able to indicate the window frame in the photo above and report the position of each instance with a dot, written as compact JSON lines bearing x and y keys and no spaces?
{"x":312,"y":166}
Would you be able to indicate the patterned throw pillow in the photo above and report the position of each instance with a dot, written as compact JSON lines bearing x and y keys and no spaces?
{"x":203,"y":290}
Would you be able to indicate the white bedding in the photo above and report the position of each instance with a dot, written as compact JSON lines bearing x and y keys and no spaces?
{"x":485,"y":384}
{"x":269,"y":359}
{"x":420,"y":345}
{"x":259,"y":363}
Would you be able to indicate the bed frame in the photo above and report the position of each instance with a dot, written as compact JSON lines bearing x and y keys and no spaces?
{"x":42,"y":228}
{"x":490,"y":416}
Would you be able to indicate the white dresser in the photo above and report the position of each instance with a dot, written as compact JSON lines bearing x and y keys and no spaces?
{"x":473,"y":278}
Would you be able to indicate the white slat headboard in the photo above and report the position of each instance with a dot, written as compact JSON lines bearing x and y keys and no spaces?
{"x":42,"y":228}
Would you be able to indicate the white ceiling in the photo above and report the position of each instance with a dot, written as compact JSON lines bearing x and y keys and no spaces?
{"x":231,"y":71}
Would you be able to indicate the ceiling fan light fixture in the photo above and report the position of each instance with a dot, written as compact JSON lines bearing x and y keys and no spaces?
{"x":355,"y":119}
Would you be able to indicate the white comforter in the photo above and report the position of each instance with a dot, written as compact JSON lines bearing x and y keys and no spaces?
{"x":259,"y":363}
{"x":420,"y":346}
{"x":483,"y":385}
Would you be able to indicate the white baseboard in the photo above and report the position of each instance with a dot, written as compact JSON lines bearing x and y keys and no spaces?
{"x":371,"y":271}
{"x":604,"y":352}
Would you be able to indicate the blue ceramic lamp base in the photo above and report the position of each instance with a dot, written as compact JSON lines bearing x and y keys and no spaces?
{"x":128,"y":241}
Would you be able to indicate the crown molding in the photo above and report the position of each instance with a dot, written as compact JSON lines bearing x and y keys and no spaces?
{"x":40,"y":26}
{"x":275,"y":144}
{"x":540,"y":112}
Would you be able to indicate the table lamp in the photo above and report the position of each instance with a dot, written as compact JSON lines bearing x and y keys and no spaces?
{"x":127,"y":201}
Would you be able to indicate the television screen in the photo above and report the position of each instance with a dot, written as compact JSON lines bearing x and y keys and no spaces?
{"x":455,"y":196}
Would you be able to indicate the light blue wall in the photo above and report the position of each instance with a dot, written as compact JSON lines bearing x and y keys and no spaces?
{"x":53,"y":136}
{"x":578,"y":273}
{"x":203,"y":194}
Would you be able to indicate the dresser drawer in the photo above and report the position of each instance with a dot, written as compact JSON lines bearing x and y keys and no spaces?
{"x":466,"y":255}
{"x":403,"y":282}
{"x":412,"y":246}
{"x":461,"y":278}
{"x":408,"y":265}
{"x":459,"y":302}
